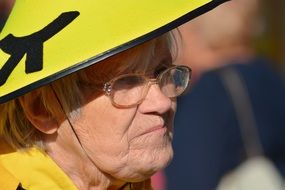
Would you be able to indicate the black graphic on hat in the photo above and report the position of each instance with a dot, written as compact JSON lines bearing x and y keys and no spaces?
{"x":31,"y":45}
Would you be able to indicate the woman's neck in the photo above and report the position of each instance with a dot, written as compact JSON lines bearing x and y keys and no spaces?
{"x":72,"y":159}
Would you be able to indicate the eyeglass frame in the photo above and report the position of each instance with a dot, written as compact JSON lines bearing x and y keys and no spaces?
{"x":107,"y":87}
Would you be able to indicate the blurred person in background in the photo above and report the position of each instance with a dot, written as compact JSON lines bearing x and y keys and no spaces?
{"x":207,"y":138}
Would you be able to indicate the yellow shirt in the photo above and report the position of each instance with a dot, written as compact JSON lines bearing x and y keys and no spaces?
{"x":34,"y":169}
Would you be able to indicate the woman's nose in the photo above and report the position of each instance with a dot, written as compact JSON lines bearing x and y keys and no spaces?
{"x":156,"y":101}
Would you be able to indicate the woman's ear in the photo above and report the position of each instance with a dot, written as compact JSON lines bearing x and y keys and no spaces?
{"x":37,"y":113}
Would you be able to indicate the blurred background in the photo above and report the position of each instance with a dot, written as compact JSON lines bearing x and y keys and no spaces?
{"x":272,"y":40}
{"x":234,"y":111}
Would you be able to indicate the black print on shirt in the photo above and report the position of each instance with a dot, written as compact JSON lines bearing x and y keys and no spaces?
{"x":31,"y":45}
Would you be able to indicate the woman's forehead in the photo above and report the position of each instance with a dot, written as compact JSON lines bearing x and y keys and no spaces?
{"x":147,"y":57}
{"x":140,"y":58}
{"x":157,"y":47}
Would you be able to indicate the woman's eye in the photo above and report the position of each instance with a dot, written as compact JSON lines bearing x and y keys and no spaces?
{"x":158,"y":71}
{"x":164,"y":64}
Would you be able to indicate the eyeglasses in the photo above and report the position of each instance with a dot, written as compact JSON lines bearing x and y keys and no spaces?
{"x":129,"y":90}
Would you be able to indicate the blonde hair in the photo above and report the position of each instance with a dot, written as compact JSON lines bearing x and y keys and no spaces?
{"x":19,"y":132}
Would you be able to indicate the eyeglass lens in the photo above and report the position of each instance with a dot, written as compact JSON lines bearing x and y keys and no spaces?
{"x":131,"y":89}
{"x":174,"y":82}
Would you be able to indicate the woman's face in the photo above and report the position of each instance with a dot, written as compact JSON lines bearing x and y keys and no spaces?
{"x":131,"y":143}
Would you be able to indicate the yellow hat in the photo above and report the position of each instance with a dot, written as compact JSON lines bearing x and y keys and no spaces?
{"x":48,"y":39}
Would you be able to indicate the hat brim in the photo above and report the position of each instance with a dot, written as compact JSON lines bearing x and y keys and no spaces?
{"x":42,"y":42}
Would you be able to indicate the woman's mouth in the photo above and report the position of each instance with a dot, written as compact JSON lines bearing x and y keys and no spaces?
{"x":155,"y":129}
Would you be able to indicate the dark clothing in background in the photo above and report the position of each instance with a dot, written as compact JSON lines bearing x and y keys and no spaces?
{"x":207,"y":140}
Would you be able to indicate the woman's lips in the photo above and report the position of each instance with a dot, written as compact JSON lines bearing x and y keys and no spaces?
{"x":158,"y":128}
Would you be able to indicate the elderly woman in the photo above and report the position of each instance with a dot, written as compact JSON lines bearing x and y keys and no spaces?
{"x":99,"y":126}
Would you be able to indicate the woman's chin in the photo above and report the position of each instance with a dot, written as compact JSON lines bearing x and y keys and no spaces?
{"x":149,"y":165}
{"x":142,"y":167}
